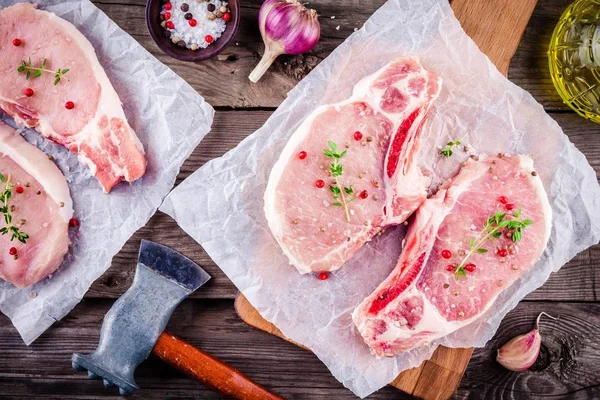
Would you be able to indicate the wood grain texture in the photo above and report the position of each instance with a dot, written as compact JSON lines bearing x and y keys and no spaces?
{"x":208,"y":370}
{"x":496,"y":26}
{"x":223,"y":80}
{"x":569,"y":366}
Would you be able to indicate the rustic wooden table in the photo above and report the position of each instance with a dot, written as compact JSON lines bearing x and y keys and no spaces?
{"x":569,"y":364}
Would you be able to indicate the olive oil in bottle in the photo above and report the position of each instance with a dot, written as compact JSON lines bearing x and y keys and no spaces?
{"x":574,"y":57}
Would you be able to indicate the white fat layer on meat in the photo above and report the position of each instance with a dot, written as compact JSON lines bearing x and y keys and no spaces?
{"x":38,"y":165}
{"x":361,"y":92}
{"x":109,"y":105}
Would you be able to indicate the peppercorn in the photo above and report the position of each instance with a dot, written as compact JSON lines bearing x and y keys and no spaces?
{"x":211,"y":7}
{"x":175,"y":39}
{"x":188,"y":16}
{"x":211,"y":17}
{"x":181,"y":44}
{"x":226,"y":17}
{"x":192,"y":22}
{"x":170,"y":25}
{"x":223,"y":9}
{"x":185,"y":7}
{"x":28,"y":92}
{"x":194,"y":46}
{"x":17,"y":42}
{"x":69,"y":105}
{"x":219,"y":14}
{"x":162,"y":17}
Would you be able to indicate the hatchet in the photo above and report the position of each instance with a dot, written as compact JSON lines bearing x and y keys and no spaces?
{"x":134,"y":327}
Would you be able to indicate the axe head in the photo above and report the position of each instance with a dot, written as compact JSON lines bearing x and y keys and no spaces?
{"x":163,"y":278}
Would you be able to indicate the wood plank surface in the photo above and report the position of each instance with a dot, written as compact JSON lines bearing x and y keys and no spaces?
{"x":569,"y":366}
{"x":222,"y":80}
{"x":569,"y":362}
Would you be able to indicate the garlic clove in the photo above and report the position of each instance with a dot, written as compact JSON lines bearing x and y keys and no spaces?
{"x":522,"y":351}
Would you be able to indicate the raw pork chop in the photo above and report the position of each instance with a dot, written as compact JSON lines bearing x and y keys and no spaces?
{"x":422,"y":300}
{"x":42,"y":210}
{"x":95,"y":128}
{"x":379,"y":128}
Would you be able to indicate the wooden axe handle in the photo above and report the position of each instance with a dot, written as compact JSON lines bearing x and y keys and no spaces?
{"x":208,"y":370}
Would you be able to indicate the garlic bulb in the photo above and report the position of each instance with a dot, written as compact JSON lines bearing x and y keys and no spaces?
{"x":287,"y":27}
{"x":521,"y":352}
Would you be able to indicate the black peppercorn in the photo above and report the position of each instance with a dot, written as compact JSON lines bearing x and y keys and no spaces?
{"x":188,"y":16}
{"x":181,"y":44}
{"x":185,"y":7}
{"x":219,"y":14}
{"x":211,"y":7}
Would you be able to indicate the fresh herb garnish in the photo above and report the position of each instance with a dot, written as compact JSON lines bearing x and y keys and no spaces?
{"x":447,"y":151}
{"x":493,"y":228}
{"x":336,"y":169}
{"x":4,"y":198}
{"x":35,"y":72}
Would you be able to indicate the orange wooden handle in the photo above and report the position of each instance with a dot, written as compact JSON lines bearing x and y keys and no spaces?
{"x":208,"y":370}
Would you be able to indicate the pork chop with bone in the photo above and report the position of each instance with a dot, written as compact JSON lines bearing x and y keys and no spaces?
{"x":459,"y":255}
{"x":350,"y":169}
{"x":81,"y":112}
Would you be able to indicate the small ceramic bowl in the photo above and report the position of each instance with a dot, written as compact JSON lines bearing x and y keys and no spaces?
{"x":157,"y":32}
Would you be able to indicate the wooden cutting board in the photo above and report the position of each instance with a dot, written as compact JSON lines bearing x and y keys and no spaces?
{"x":496,"y":27}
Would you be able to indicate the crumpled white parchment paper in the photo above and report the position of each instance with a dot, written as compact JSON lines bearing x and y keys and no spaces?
{"x":221,"y":205}
{"x":169,"y":117}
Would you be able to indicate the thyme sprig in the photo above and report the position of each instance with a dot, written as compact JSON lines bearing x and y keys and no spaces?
{"x":336,"y":169}
{"x":447,"y":151}
{"x":4,"y":198}
{"x":493,"y":228}
{"x":35,"y":72}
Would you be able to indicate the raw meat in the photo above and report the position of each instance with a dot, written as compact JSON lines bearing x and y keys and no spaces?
{"x":42,"y":211}
{"x":95,"y":128}
{"x":422,"y":300}
{"x":380,"y":129}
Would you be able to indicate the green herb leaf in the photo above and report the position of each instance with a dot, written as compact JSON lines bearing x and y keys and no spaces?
{"x":460,"y":271}
{"x":482,"y":251}
{"x":349,"y":190}
{"x":496,"y":234}
{"x":4,"y":198}
{"x":337,"y":204}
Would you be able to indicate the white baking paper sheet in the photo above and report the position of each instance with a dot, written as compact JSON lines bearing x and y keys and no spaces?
{"x":221,"y":205}
{"x":169,"y":117}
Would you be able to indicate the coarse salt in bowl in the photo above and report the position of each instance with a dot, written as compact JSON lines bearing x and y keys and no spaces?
{"x":195,"y":24}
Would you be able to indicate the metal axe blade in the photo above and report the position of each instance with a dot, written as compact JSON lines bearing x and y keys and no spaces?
{"x":132,"y":326}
